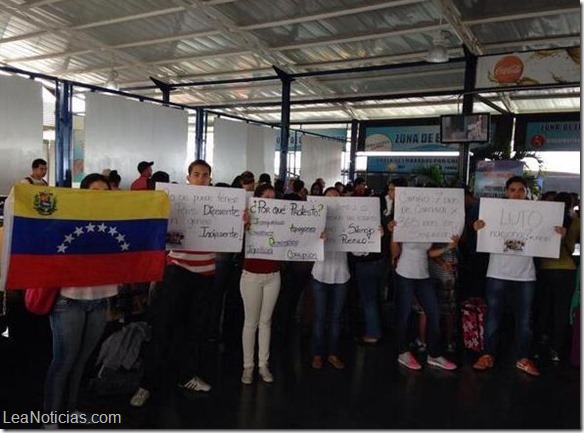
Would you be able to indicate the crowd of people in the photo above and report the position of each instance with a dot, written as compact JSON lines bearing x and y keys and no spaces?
{"x":426,"y":281}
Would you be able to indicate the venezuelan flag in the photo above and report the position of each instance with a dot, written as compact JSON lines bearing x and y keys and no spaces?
{"x":61,"y":237}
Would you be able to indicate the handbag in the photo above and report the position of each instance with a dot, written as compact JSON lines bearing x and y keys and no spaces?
{"x":40,"y":301}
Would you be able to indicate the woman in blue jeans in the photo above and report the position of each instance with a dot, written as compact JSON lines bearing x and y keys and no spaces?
{"x":77,"y":321}
{"x":413,"y":279}
{"x":329,"y":286}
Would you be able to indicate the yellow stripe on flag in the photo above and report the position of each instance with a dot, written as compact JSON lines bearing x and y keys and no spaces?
{"x":37,"y":201}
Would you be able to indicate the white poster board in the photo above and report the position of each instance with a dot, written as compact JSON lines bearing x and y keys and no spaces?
{"x":520,"y":227}
{"x":204,"y":218}
{"x":352,"y":223}
{"x":285,"y":230}
{"x":428,"y":214}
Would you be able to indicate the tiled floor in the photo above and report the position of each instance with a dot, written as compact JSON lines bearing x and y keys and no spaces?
{"x":372,"y":392}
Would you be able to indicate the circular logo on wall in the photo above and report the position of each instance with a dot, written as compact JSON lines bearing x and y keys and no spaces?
{"x":508,"y":70}
{"x":537,"y":141}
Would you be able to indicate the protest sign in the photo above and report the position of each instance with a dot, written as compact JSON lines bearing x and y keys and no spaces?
{"x":285,"y":230}
{"x":352,"y":223}
{"x":428,"y":214}
{"x":520,"y":227}
{"x":204,"y":218}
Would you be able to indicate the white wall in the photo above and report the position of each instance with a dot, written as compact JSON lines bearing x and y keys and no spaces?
{"x":21,"y":129}
{"x":119,"y":133}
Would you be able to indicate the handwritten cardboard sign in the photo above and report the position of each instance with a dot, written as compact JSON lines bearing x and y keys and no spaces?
{"x":352,"y":223}
{"x":285,"y":230}
{"x":204,"y":218}
{"x":428,"y":214}
{"x":520,"y":227}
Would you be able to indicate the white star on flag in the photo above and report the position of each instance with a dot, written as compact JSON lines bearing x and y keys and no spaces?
{"x":89,"y":227}
{"x":121,"y":238}
{"x":61,"y":248}
{"x":125,"y":246}
{"x":69,"y":238}
{"x":113,"y":231}
{"x":102,"y":227}
{"x":78,"y":231}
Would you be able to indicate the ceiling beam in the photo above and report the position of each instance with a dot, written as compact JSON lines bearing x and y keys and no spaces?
{"x":364,"y":37}
{"x":522,"y":16}
{"x":560,"y":40}
{"x":460,"y":28}
{"x":338,"y":12}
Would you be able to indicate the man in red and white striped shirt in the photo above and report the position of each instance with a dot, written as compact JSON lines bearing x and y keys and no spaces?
{"x":182,"y":311}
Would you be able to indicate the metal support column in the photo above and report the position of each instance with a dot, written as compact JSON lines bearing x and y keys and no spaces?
{"x":284,"y":122}
{"x":201,"y":127}
{"x":63,"y":133}
{"x":467,"y":108}
{"x":353,"y":149}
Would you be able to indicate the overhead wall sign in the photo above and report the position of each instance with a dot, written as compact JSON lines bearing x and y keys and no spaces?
{"x":405,"y":138}
{"x":420,"y":135}
{"x":532,"y":68}
{"x":543,"y":132}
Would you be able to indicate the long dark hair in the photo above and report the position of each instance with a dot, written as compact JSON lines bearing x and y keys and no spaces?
{"x":261,"y":188}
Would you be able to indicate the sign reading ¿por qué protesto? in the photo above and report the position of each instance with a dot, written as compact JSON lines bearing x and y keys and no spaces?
{"x":285,"y":230}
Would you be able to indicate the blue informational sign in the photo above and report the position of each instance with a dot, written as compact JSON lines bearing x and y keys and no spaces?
{"x":411,"y":164}
{"x":405,"y":138}
{"x":413,"y":138}
{"x":491,"y":176}
{"x":555,"y":136}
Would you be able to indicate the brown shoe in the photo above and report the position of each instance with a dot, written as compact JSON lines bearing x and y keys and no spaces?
{"x":336,"y":362}
{"x":527,"y":366}
{"x":484,"y":362}
{"x":317,"y":362}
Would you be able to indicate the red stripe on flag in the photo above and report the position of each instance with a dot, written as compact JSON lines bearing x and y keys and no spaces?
{"x":40,"y":271}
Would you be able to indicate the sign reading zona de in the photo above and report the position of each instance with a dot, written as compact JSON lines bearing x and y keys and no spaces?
{"x":204,"y":218}
{"x":352,"y":223}
{"x":428,"y":214}
{"x":520,"y":227}
{"x":285,"y":230}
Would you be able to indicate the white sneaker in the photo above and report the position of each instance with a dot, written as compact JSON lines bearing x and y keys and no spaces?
{"x":140,"y":397}
{"x":197,"y":384}
{"x":247,"y":376}
{"x":441,"y":362}
{"x":408,"y":360}
{"x":266,"y":375}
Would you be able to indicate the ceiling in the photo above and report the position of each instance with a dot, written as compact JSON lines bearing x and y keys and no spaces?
{"x":178,"y":41}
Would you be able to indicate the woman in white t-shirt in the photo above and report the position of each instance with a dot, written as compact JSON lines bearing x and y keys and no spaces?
{"x":413,"y":279}
{"x":77,"y":320}
{"x":329,"y":286}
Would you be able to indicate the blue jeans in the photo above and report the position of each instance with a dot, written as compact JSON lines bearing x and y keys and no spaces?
{"x":77,"y":327}
{"x":522,"y":293}
{"x":425,"y":293}
{"x":369,"y":281}
{"x":334,"y":295}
